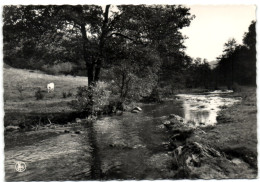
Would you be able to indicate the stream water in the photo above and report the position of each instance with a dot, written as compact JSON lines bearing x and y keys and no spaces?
{"x":129,"y":146}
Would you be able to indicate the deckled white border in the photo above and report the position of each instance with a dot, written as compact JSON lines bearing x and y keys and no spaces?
{"x":212,"y":2}
{"x":103,"y":2}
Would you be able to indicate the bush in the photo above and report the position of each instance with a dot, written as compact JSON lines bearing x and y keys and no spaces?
{"x":20,"y":89}
{"x":65,"y":94}
{"x":69,"y":94}
{"x":38,"y":94}
{"x":236,"y":87}
{"x":91,"y":100}
{"x":115,"y":103}
{"x":60,"y":68}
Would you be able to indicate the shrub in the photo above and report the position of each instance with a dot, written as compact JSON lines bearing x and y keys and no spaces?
{"x":20,"y":89}
{"x":91,"y":99}
{"x":38,"y":94}
{"x":60,"y":68}
{"x":116,"y":103}
{"x":65,"y":94}
{"x":236,"y":87}
{"x":69,"y":94}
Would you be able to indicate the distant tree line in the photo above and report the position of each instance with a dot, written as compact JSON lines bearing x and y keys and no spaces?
{"x":237,"y":64}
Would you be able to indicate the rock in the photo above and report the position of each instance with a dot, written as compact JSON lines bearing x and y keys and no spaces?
{"x":135,"y":111}
{"x":113,"y":109}
{"x":167,"y":122}
{"x":191,"y":123}
{"x":161,"y":126}
{"x":53,"y":127}
{"x":119,"y":113}
{"x":66,"y":131}
{"x":178,"y":118}
{"x":91,"y":118}
{"x":119,"y":144}
{"x":179,"y":150}
{"x":181,"y":134}
{"x":78,"y":120}
{"x":137,"y":108}
{"x":236,"y":161}
{"x":223,"y":119}
{"x":77,"y":132}
{"x":139,"y":146}
{"x":11,"y":128}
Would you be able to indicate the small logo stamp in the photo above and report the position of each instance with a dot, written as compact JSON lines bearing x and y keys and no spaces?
{"x":20,"y":166}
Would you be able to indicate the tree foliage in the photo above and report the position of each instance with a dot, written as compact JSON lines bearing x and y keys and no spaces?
{"x":237,"y":64}
{"x":145,"y":39}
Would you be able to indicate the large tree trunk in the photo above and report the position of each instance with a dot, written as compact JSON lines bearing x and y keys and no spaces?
{"x":97,"y":70}
{"x":88,"y":61}
{"x":104,"y":32}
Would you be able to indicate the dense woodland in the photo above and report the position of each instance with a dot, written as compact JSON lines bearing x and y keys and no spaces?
{"x":138,"y":50}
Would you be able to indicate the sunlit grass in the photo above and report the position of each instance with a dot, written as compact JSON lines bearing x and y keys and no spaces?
{"x":31,"y":81}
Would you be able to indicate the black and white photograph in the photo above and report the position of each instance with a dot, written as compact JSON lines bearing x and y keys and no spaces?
{"x":129,"y":91}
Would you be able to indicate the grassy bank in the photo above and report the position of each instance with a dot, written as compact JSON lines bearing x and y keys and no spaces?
{"x":31,"y":81}
{"x":20,"y":87}
{"x":226,"y":150}
{"x":19,"y":94}
{"x":236,"y":131}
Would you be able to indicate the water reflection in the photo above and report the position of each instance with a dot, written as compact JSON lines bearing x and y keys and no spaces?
{"x":127,"y":145}
{"x":202,"y":110}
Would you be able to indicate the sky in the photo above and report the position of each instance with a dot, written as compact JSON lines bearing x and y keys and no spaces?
{"x":213,"y":26}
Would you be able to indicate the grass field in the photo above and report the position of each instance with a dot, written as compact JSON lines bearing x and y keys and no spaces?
{"x":29,"y":82}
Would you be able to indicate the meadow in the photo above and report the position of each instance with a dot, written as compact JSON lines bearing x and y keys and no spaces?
{"x":20,"y":87}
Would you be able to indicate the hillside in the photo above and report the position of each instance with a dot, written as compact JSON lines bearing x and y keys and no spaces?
{"x":20,"y":87}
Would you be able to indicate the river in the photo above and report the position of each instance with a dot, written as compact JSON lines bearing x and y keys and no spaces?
{"x":130,"y":146}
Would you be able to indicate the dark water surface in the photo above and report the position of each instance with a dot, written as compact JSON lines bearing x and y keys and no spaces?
{"x":130,"y":146}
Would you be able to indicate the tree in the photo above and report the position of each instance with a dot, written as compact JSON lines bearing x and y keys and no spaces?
{"x":97,"y":27}
{"x":238,"y":62}
{"x":249,"y":41}
{"x":229,"y":49}
{"x":198,"y":74}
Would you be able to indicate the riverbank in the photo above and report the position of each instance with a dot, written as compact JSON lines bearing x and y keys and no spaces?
{"x":236,"y":131}
{"x":226,"y":150}
{"x":145,"y":145}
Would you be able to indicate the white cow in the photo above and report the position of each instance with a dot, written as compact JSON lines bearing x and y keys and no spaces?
{"x":50,"y":87}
